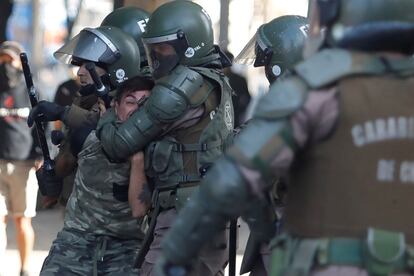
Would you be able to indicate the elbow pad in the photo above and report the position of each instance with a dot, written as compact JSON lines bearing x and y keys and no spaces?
{"x":173,"y":95}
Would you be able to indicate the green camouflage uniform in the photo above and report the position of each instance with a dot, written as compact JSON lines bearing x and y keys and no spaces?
{"x":100,"y":236}
{"x":84,"y":111}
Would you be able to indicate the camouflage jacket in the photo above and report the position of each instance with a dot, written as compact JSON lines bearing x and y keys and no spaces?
{"x":92,"y":207}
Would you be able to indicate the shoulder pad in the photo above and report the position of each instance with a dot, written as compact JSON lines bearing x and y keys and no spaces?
{"x":187,"y":83}
{"x":214,"y":74}
{"x":330,"y":65}
{"x":284,"y":98}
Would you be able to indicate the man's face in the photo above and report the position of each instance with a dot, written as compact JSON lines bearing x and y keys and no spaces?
{"x":10,"y":73}
{"x":6,"y":59}
{"x":129,"y":103}
{"x":85,"y":77}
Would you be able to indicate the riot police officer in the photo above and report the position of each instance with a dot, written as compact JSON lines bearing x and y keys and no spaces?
{"x":122,"y":61}
{"x":277,"y":46}
{"x":345,"y":119}
{"x":183,"y":125}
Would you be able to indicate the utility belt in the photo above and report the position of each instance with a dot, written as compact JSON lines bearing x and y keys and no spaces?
{"x":173,"y":197}
{"x":172,"y":187}
{"x":381,"y":253}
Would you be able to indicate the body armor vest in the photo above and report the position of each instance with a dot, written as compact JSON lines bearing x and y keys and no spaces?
{"x":183,"y":156}
{"x":92,"y":206}
{"x":363,"y":175}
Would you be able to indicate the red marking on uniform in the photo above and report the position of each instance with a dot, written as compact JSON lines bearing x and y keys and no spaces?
{"x":9,"y":102}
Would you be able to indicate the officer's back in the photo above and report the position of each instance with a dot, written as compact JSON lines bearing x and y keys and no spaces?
{"x":343,"y":125}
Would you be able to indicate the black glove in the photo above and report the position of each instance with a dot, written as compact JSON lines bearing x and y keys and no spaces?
{"x":49,"y":184}
{"x":46,"y":111}
{"x":57,"y":137}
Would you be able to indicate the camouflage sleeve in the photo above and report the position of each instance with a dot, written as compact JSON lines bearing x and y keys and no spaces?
{"x":77,"y":117}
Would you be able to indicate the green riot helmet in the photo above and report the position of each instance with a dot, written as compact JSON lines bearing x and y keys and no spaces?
{"x":108,"y":47}
{"x":178,"y":32}
{"x":131,"y":20}
{"x":277,"y":45}
{"x":365,"y":25}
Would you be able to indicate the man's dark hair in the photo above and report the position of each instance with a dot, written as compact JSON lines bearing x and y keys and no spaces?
{"x":134,"y":84}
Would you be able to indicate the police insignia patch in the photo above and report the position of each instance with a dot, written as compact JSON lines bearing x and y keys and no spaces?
{"x":189,"y":52}
{"x":120,"y":74}
{"x":228,"y":116}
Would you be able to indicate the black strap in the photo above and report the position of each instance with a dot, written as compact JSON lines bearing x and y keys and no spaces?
{"x":232,"y":247}
{"x":184,"y":178}
{"x":196,"y":147}
{"x":149,"y":236}
{"x":252,"y":253}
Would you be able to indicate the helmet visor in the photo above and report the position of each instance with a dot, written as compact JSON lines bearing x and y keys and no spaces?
{"x":255,"y":52}
{"x":89,"y":44}
{"x":164,"y":53}
{"x":162,"y":58}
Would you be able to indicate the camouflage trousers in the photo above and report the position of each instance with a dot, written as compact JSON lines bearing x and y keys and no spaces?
{"x":79,"y":253}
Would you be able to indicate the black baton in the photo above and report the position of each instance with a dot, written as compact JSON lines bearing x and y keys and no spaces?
{"x":48,"y":164}
{"x":101,"y":89}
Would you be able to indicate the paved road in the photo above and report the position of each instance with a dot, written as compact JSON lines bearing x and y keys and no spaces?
{"x":46,"y":225}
